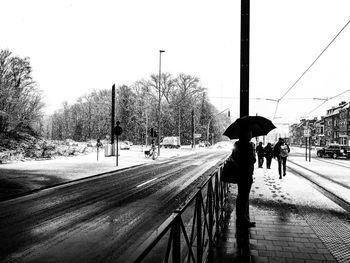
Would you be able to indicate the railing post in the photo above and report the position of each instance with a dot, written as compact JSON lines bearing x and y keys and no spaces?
{"x":217,"y":201}
{"x":211,"y":217}
{"x":199,"y":227}
{"x":176,"y":255}
{"x":222,"y":195}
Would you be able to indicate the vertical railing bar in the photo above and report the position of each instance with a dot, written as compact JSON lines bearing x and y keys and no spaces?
{"x":176,"y":255}
{"x":217,"y":202}
{"x":222,"y":196}
{"x":222,"y":185}
{"x":215,"y":205}
{"x":205,"y":218}
{"x":199,"y":227}
{"x":206,"y":212}
{"x":211,"y":220}
{"x":206,"y":226}
{"x":189,"y":245}
{"x":169,"y":245}
{"x":194,"y":223}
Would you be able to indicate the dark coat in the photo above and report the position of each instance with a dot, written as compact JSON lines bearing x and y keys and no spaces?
{"x":244,"y":155}
{"x":268,"y":151}
{"x":260,"y":150}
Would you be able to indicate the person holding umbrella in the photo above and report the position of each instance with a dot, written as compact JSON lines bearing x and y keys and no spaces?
{"x":243,"y":153}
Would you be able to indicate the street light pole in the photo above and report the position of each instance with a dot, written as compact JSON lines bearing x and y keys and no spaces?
{"x":244,"y":71}
{"x":159,"y":114}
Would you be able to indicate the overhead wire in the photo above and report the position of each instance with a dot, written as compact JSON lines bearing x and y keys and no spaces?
{"x":334,"y":38}
{"x":327,"y":99}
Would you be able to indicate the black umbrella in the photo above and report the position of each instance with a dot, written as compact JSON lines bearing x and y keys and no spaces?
{"x":258,"y":125}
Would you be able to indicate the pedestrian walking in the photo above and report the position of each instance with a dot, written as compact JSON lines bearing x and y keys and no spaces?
{"x":98,"y":146}
{"x":268,"y":155}
{"x":244,"y":154}
{"x":281,"y":151}
{"x":261,"y":153}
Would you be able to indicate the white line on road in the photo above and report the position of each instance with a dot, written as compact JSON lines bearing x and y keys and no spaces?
{"x":145,"y":182}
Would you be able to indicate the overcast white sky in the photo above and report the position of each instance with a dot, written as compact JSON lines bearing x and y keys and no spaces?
{"x":78,"y":46}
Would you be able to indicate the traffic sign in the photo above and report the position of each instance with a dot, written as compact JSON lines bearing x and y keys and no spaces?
{"x":307,"y":133}
{"x":118,"y":130}
{"x":197,"y":135}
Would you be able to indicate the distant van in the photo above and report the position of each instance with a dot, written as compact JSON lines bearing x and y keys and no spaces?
{"x":171,"y":142}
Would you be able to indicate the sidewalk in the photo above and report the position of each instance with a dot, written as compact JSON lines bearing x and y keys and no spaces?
{"x":25,"y":177}
{"x":294,"y":223}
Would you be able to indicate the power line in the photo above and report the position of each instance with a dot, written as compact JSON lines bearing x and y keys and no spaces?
{"x":326,"y":101}
{"x":311,"y":65}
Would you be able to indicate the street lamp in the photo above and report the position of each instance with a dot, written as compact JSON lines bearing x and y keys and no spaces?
{"x":212,"y":117}
{"x":159,"y":115}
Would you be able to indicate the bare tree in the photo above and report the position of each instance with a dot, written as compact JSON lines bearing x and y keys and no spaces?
{"x":20,"y":100}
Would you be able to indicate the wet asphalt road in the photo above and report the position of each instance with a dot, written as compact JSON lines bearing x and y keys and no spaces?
{"x":95,"y":220}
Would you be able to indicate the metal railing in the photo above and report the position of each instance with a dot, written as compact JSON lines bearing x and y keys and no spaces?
{"x":189,"y":234}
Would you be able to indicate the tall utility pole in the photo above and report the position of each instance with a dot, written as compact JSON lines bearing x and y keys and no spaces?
{"x":112,"y":120}
{"x":193,"y":130}
{"x":112,"y":114}
{"x":159,"y":114}
{"x":244,"y":80}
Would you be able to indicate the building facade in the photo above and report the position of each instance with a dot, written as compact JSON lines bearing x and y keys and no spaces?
{"x":344,"y":125}
{"x":332,"y":128}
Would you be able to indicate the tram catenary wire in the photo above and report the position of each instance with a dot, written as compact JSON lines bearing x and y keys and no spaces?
{"x":334,"y":38}
{"x":327,"y":99}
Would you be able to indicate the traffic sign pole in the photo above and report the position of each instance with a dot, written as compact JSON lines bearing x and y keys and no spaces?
{"x":117,"y":151}
{"x":307,"y":135}
{"x":117,"y":131}
{"x":309,"y":149}
{"x":305,"y":148}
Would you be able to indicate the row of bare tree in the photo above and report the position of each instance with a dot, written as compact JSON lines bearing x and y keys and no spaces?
{"x":137,"y":110}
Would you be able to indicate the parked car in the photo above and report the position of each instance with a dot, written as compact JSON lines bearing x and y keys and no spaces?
{"x":124,"y":146}
{"x":346,"y":150}
{"x":334,"y":151}
{"x":204,"y":144}
{"x":129,"y":143}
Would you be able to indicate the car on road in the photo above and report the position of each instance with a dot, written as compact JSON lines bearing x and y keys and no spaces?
{"x":171,"y":142}
{"x":334,"y":151}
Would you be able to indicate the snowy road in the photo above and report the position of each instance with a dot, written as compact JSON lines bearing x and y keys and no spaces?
{"x":95,"y":220}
